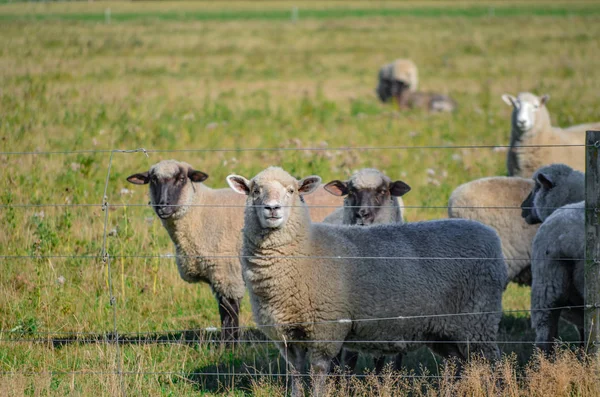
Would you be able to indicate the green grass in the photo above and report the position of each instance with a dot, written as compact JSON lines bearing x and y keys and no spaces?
{"x":203,"y":76}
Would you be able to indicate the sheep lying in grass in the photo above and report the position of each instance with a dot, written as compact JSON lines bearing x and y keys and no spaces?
{"x":558,"y":250}
{"x":205,"y":224}
{"x":304,"y":277}
{"x":399,"y":80}
{"x":370,"y":198}
{"x":506,"y":193}
{"x":530,"y":125}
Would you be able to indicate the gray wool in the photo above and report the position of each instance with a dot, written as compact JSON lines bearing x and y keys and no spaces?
{"x":558,"y":249}
{"x":430,"y":268}
{"x":569,"y":187}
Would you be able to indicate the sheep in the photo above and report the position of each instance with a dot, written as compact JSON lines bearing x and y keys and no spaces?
{"x":207,"y":239}
{"x":558,"y":249}
{"x":370,"y":198}
{"x":475,"y":200}
{"x":530,"y":126}
{"x":399,"y":80}
{"x":310,"y":283}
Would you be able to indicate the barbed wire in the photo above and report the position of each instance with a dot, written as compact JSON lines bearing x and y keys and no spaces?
{"x":359,"y":320}
{"x":285,"y":149}
{"x":441,"y":207}
{"x":122,"y":341}
{"x":336,"y":257}
{"x":241,"y":373}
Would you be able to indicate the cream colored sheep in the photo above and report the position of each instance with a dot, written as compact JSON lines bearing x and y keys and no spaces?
{"x":515,"y":234}
{"x":304,"y":277}
{"x":530,"y":126}
{"x":204,"y":225}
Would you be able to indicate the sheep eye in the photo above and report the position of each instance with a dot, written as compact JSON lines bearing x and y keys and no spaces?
{"x":290,"y":190}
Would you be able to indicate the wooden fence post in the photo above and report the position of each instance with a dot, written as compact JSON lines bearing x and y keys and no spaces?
{"x":592,"y":242}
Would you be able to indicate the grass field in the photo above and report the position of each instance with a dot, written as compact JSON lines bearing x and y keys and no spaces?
{"x":183,"y":80}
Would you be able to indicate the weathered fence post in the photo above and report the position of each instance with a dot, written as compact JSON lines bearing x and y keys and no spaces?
{"x":592,"y":242}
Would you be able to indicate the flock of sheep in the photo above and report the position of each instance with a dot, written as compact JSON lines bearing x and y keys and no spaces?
{"x":333,"y":270}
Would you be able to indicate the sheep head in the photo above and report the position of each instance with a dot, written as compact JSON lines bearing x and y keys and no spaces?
{"x":529,"y":110}
{"x":367,"y":192}
{"x":273,"y":194}
{"x":171,"y":186}
{"x":555,"y":186}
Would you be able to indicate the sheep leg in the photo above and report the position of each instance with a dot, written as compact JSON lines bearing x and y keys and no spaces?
{"x":345,"y":360}
{"x":319,"y":365}
{"x":545,"y":324}
{"x":547,"y":292}
{"x":229,"y":310}
{"x":379,"y":364}
{"x":295,"y":356}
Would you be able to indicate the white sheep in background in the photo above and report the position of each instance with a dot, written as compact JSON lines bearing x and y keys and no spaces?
{"x":400,"y":80}
{"x":204,"y":225}
{"x":306,"y":277}
{"x":530,"y":126}
{"x":506,"y":193}
{"x":558,"y":250}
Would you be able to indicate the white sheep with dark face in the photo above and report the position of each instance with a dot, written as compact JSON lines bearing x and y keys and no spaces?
{"x":399,"y":80}
{"x":204,"y":225}
{"x":304,"y":277}
{"x":370,"y":197}
{"x":531,"y":126}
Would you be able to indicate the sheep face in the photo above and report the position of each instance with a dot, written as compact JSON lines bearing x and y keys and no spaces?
{"x":526,"y":108}
{"x":171,"y":190}
{"x":393,"y":82}
{"x":367,"y":193}
{"x":273,"y":194}
{"x":542,"y":200}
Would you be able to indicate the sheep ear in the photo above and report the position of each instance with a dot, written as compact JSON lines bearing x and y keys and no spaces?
{"x":197,"y":176}
{"x":545,"y":181}
{"x":544,"y":99}
{"x":139,"y":179}
{"x":337,"y":188}
{"x":399,"y":188}
{"x":509,"y":100}
{"x":239,"y":184}
{"x":309,"y":184}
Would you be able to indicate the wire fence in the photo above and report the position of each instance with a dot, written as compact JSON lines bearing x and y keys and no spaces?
{"x":209,"y":334}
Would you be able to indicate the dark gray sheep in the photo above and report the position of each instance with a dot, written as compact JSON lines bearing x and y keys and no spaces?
{"x":558,"y":250}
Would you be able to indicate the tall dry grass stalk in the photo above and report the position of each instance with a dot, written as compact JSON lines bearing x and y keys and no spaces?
{"x":567,"y":373}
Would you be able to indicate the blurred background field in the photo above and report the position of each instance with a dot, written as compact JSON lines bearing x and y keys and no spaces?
{"x":186,"y":79}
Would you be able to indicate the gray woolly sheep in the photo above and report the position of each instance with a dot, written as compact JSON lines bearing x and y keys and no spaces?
{"x":530,"y":126}
{"x":506,"y":193}
{"x":298,"y":299}
{"x":558,"y":250}
{"x":204,"y":224}
{"x":370,"y":198}
{"x":399,"y":80}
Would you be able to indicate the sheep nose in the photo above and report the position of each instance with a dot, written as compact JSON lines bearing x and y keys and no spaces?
{"x":272,"y":207}
{"x":363,"y":212}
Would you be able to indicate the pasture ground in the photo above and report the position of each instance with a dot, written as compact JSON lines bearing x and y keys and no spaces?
{"x":196,"y":76}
